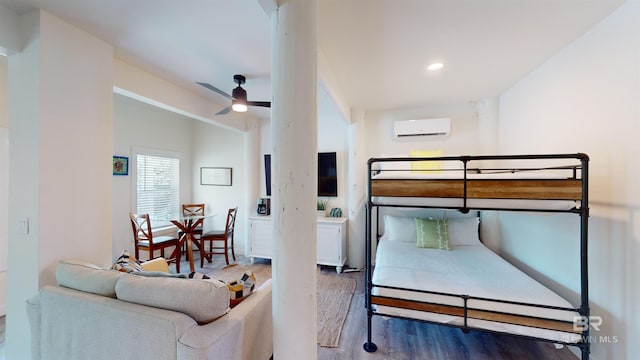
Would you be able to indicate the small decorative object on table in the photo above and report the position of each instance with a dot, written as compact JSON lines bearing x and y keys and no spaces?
{"x":322,"y":207}
{"x":335,"y":212}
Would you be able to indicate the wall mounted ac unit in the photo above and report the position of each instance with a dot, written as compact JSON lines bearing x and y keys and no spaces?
{"x":423,"y":129}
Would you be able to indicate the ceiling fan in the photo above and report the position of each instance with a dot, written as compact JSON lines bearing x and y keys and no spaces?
{"x":238,"y":97}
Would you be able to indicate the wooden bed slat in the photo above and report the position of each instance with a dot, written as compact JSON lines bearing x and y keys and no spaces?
{"x":538,"y":189}
{"x":475,"y":314}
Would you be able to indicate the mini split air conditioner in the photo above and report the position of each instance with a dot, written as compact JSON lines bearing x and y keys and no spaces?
{"x":423,"y":129}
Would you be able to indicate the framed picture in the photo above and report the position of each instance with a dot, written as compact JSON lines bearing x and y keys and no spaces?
{"x":120,"y":165}
{"x":220,"y":176}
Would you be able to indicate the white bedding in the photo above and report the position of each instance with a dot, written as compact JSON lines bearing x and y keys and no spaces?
{"x":466,"y":270}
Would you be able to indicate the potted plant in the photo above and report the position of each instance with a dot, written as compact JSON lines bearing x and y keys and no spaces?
{"x":321,"y":207}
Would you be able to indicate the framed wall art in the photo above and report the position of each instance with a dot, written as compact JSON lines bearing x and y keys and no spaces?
{"x":220,"y":176}
{"x":120,"y":165}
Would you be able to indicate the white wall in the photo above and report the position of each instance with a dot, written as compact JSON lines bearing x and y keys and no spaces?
{"x":143,"y":126}
{"x":9,"y":36}
{"x":4,"y":183}
{"x":60,"y":156}
{"x":332,"y":137}
{"x":586,"y":99}
{"x":214,"y":146}
{"x":462,"y":141}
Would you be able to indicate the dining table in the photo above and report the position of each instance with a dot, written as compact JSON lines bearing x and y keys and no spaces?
{"x":188,"y":224}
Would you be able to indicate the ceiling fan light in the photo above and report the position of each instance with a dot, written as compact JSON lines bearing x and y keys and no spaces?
{"x":238,"y":106}
{"x":435,"y":66}
{"x":239,"y":102}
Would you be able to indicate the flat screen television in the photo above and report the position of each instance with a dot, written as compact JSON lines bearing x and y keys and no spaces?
{"x":327,"y":174}
{"x":267,"y":173}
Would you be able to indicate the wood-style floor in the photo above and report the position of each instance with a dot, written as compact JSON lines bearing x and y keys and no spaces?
{"x":399,"y":339}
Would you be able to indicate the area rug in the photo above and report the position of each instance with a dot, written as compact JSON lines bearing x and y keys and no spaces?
{"x":334,"y":297}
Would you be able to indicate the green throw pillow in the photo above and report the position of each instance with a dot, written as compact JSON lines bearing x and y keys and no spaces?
{"x":432,"y":233}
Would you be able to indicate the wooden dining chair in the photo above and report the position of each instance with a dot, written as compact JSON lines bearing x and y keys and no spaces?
{"x":192,"y":210}
{"x":144,"y":239}
{"x":223,"y":237}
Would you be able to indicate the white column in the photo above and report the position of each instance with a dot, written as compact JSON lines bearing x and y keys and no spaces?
{"x":252,"y":163}
{"x":294,"y":181}
{"x":357,"y":187}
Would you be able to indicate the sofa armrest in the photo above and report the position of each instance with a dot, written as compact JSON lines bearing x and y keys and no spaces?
{"x":219,"y":339}
{"x":256,"y":316}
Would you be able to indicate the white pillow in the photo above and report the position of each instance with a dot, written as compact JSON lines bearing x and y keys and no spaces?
{"x":398,"y":228}
{"x":464,"y":231}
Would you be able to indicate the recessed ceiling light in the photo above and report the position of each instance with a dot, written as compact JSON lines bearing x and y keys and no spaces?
{"x":435,"y":66}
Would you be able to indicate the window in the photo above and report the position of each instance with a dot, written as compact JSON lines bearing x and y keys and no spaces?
{"x":158,"y":188}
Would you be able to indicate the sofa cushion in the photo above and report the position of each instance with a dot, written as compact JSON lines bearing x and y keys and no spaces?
{"x":84,"y":276}
{"x":202,"y":300}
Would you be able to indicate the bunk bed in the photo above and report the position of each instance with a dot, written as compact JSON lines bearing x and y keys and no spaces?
{"x":471,"y":287}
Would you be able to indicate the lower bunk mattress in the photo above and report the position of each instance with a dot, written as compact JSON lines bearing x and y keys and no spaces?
{"x":471,"y":270}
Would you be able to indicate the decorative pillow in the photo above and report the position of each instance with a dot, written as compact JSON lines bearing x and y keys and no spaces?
{"x":240,"y":289}
{"x":397,"y":228}
{"x":432,"y":233}
{"x":464,"y":231}
{"x":83,"y":276}
{"x":426,"y":167}
{"x":126,"y":263}
{"x":157,"y":264}
{"x":202,"y":300}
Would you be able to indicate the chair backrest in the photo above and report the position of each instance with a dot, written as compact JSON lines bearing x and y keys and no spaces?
{"x":141,"y":226}
{"x":231,"y":220}
{"x":192,"y":209}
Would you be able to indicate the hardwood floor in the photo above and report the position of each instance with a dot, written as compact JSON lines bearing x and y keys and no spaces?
{"x":399,"y":339}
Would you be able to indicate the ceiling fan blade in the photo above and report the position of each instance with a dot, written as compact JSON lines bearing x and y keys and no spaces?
{"x":215,"y":89}
{"x":259,"y":103}
{"x":224,"y":111}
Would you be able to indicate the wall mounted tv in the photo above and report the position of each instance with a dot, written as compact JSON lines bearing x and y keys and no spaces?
{"x":327,"y":174}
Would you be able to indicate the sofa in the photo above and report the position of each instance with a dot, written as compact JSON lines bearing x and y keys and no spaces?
{"x":96,"y":313}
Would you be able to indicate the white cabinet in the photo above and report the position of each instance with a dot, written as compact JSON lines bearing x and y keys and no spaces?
{"x":261,"y":237}
{"x":331,"y":243}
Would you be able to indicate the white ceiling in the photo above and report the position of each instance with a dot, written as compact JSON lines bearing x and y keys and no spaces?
{"x":377,"y":49}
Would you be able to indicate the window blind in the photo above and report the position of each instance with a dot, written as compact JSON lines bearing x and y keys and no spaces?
{"x":158,"y":188}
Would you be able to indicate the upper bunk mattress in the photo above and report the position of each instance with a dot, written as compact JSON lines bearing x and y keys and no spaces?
{"x":518,"y":190}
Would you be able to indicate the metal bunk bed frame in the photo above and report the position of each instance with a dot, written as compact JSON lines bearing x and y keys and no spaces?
{"x":582,"y":211}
